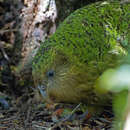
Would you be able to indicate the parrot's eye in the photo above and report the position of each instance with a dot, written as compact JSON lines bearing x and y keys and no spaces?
{"x":50,"y":73}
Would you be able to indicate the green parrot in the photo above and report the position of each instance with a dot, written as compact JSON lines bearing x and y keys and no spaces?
{"x":90,"y":41}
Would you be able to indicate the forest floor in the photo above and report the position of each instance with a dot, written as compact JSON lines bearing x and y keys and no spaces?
{"x":28,"y":115}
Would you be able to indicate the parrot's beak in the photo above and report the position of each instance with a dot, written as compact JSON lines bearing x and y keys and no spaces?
{"x":42,"y":91}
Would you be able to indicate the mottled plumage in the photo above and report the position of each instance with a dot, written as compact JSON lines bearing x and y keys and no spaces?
{"x":88,"y":42}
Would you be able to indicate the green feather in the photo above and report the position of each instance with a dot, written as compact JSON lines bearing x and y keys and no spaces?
{"x":85,"y":45}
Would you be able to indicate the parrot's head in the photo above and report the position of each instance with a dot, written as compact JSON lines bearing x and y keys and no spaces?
{"x":62,"y":75}
{"x":66,"y":77}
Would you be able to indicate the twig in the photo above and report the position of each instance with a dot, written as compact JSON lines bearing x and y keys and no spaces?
{"x":3,"y":52}
{"x":60,"y":122}
{"x":8,"y":30}
{"x":42,"y":127}
{"x":7,"y":119}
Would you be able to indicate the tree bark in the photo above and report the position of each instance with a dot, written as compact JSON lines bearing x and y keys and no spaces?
{"x":38,"y":24}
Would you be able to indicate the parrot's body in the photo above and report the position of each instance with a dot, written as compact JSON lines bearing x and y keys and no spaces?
{"x":87,"y":43}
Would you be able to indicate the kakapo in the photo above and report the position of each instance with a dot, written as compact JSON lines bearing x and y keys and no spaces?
{"x":88,"y":42}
